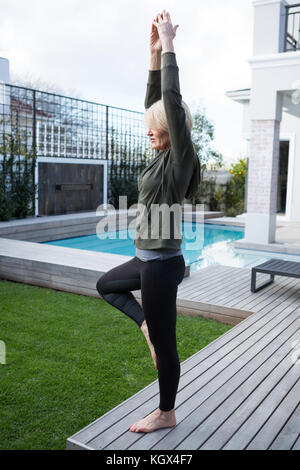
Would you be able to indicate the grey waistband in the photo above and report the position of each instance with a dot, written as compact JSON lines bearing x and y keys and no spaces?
{"x":146,"y":255}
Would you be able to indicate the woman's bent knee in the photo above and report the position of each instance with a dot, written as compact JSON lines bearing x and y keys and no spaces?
{"x":99,"y":285}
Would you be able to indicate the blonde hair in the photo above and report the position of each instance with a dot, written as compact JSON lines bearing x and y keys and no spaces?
{"x":155,"y":117}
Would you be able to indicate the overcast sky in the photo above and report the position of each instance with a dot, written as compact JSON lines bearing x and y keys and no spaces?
{"x":100,"y":48}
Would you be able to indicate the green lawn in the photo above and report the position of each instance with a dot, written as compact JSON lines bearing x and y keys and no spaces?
{"x":70,"y":359}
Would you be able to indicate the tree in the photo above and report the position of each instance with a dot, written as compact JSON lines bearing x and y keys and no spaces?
{"x":202,"y":137}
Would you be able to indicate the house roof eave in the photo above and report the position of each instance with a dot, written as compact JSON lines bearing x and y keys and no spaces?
{"x":241,"y":96}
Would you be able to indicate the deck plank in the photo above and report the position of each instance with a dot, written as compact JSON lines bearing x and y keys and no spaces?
{"x":275,"y":289}
{"x":266,"y":295}
{"x":274,"y":408}
{"x":197,"y":281}
{"x":216,"y":292}
{"x":227,"y":420}
{"x":207,"y":392}
{"x":272,"y":435}
{"x":296,"y":445}
{"x":231,"y":337}
{"x":188,"y":383}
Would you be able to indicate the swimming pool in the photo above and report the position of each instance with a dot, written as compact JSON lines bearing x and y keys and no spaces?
{"x":215,"y":245}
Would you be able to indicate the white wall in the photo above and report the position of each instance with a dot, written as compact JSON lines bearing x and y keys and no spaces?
{"x":289,"y":130}
{"x":269,"y":26}
{"x":246,"y":120}
{"x":270,"y":75}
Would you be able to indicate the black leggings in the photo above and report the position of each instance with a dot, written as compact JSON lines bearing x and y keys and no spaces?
{"x":158,"y":281}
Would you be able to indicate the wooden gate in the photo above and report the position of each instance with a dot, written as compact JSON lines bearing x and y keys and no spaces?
{"x":65,"y":188}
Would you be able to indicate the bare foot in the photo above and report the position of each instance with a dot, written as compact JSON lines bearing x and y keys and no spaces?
{"x":156,"y":420}
{"x":144,"y":329}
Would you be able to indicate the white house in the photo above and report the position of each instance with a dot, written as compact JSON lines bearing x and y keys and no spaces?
{"x":271,"y":120}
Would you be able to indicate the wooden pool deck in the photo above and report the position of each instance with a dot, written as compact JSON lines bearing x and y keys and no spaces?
{"x":239,"y":392}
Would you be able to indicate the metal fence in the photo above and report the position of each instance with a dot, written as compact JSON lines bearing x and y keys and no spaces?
{"x":292,"y":27}
{"x":53,"y":125}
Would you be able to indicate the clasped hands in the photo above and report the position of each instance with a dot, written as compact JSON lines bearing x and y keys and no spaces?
{"x":162,"y":32}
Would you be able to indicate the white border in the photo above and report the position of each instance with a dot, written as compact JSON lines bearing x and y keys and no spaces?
{"x":70,"y":160}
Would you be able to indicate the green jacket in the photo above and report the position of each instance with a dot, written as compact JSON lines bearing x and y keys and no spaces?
{"x":173,"y":174}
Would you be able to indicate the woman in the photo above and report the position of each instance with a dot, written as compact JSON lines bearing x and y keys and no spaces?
{"x":158,"y":267}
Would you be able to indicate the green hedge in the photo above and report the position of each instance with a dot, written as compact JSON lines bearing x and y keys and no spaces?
{"x":17,"y":167}
{"x":228,"y":197}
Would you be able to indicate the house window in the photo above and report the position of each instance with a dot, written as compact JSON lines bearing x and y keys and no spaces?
{"x":292,"y":27}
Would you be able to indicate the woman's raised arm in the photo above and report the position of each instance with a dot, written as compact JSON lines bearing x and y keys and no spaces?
{"x":180,"y":135}
{"x":153,"y":91}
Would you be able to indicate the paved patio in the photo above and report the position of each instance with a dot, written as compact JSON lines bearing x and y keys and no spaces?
{"x":287,"y":239}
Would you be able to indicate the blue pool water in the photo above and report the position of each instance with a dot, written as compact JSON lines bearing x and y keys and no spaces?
{"x":202,"y":245}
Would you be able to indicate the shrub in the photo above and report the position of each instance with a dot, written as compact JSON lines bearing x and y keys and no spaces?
{"x":17,"y":188}
{"x":235,"y":190}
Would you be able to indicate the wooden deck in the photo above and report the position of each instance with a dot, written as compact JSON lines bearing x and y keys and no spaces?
{"x":242,"y":391}
{"x":239,"y":392}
